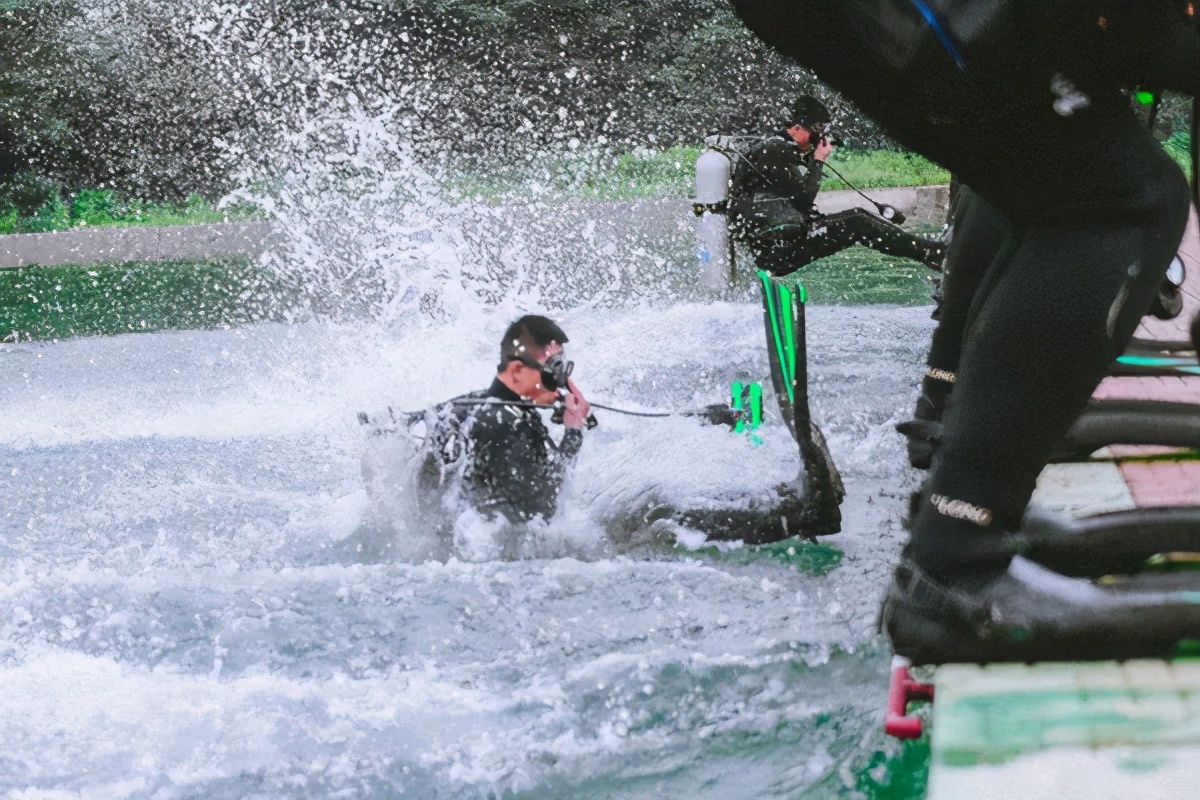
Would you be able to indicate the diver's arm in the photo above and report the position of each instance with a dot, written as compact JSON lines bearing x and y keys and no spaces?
{"x":806,"y":198}
{"x":792,"y":174}
{"x":568,"y":448}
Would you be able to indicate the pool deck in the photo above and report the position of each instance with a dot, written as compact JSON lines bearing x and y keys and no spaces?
{"x":1101,"y":730}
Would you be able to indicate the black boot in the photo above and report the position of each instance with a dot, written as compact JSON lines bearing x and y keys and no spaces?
{"x":1029,"y":613}
{"x":965,"y":592}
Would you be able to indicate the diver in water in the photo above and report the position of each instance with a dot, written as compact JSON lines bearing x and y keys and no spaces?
{"x":772,"y":200}
{"x":494,"y":443}
{"x":1096,"y":211}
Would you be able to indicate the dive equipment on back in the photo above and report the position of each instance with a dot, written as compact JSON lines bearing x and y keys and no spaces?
{"x":715,"y":169}
{"x":714,"y":176}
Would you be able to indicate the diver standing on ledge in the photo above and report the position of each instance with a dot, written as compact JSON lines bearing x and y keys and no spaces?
{"x":1097,"y":211}
{"x":775,"y":186}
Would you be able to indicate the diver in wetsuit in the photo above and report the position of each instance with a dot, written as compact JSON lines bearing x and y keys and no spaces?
{"x":977,"y":231}
{"x":1096,"y":212}
{"x":494,"y":441}
{"x":772,"y":209}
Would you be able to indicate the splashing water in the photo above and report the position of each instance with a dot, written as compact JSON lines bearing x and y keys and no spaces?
{"x":194,"y":601}
{"x":200,"y":597}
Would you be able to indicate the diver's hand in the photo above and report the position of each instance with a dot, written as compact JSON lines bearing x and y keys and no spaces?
{"x":824,"y":148}
{"x":577,"y":408}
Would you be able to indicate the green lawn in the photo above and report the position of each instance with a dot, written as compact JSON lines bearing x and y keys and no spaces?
{"x":57,"y":302}
{"x":671,"y":173}
{"x":859,"y":276}
{"x":32,"y":205}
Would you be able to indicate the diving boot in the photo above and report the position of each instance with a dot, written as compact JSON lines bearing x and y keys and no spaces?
{"x":1030,"y":613}
{"x":1168,"y":301}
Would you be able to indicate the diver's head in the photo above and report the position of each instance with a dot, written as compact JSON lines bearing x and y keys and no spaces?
{"x":807,"y":121}
{"x":532,"y":363}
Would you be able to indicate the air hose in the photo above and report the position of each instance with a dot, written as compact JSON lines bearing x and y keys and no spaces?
{"x":890,"y":213}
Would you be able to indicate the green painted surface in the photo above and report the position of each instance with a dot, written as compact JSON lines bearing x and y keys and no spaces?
{"x":994,"y":716}
{"x":901,"y":775}
{"x":1175,"y":363}
{"x":997,"y":728}
{"x":810,"y":558}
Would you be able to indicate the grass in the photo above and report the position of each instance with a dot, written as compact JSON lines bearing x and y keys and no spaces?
{"x":883,"y":169}
{"x":671,"y":173}
{"x":1179,"y":148}
{"x":859,"y":276}
{"x":58,"y":302}
{"x":36,"y":206}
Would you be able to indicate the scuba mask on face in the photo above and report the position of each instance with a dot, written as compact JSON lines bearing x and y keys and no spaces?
{"x":555,"y":371}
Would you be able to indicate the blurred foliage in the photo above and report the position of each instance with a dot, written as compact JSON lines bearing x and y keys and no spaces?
{"x":162,"y":100}
{"x":1179,"y":147}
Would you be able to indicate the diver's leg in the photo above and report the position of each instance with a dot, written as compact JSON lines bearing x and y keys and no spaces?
{"x":835,"y":232}
{"x":782,"y":250}
{"x":1097,"y":211}
{"x":977,"y":233}
{"x":1060,"y":304}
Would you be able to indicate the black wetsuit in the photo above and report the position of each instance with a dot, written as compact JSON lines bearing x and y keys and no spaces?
{"x":1023,"y":101}
{"x":774,"y":188}
{"x":498,"y":447}
{"x":977,"y":233}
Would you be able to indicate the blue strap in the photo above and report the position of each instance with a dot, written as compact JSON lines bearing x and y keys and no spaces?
{"x":936,"y":24}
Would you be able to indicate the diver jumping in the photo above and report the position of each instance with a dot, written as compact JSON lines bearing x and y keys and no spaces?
{"x":772,"y":202}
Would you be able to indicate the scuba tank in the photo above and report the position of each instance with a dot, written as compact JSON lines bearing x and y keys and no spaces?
{"x":713,"y":174}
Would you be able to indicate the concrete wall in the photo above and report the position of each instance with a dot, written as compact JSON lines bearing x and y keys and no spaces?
{"x":111,"y":245}
{"x":114,"y":245}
